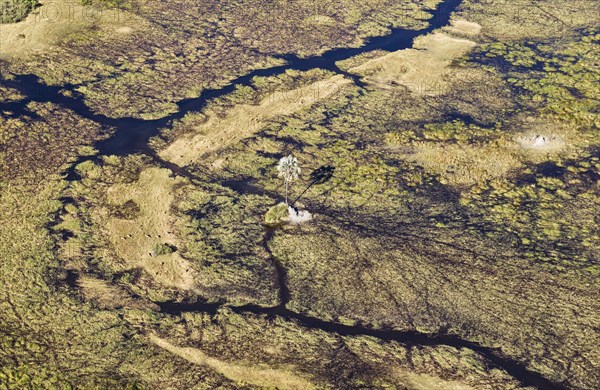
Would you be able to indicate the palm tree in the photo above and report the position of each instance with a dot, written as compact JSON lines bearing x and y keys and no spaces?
{"x":288,"y":169}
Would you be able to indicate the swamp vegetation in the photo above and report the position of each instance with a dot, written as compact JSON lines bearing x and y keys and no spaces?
{"x":454,"y":244}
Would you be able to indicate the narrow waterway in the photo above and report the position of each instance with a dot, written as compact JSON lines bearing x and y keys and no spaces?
{"x":131,"y":135}
{"x":409,"y":338}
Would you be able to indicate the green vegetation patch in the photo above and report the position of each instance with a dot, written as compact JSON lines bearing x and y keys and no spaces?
{"x":549,"y":212}
{"x":12,"y":11}
{"x":558,"y":78}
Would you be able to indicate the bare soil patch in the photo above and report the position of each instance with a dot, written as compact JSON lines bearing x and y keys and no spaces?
{"x":463,"y":27}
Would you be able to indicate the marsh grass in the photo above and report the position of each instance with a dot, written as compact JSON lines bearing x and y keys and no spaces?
{"x":501,"y":251}
{"x":517,"y":20}
{"x":45,"y":129}
{"x":142,"y":66}
{"x":419,"y":197}
{"x":37,"y":311}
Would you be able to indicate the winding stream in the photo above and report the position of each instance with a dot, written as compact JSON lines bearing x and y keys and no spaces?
{"x":131,"y":135}
{"x":409,"y":338}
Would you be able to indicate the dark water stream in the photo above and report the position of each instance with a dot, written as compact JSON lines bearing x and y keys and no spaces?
{"x":131,"y":135}
{"x":410,"y":338}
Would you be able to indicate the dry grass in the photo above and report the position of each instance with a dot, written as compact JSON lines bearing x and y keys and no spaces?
{"x":471,"y":163}
{"x":109,"y":296}
{"x":416,"y":381}
{"x":422,"y":69}
{"x":135,"y":239}
{"x":242,"y":374}
{"x":243,"y":120}
{"x":56,"y":21}
{"x":463,"y":27}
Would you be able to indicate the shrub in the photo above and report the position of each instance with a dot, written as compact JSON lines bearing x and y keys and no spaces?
{"x":12,"y":11}
{"x":164,"y":249}
{"x":277,"y":214}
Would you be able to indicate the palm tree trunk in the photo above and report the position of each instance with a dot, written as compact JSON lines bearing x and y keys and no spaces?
{"x":303,"y":192}
{"x":286,"y":191}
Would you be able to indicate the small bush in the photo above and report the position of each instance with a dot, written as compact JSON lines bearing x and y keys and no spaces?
{"x":277,"y":214}
{"x":12,"y":11}
{"x":128,"y":210}
{"x":164,"y":249}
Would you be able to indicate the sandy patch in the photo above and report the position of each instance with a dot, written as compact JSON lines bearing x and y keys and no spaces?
{"x":422,"y":69}
{"x":298,"y":216}
{"x":243,"y":120}
{"x":463,"y":27}
{"x":539,"y":138}
{"x":135,"y":240}
{"x":124,"y":30}
{"x":258,"y":376}
{"x":541,"y":142}
{"x":54,"y":21}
